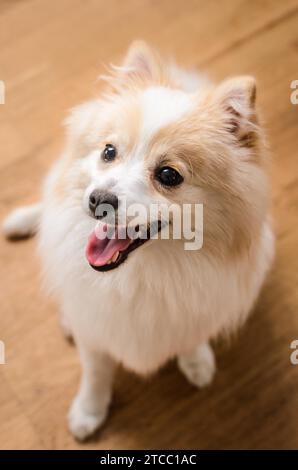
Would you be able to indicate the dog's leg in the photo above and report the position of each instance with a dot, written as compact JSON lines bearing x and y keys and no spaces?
{"x":198,"y":366}
{"x":90,"y":407}
{"x":23,"y":222}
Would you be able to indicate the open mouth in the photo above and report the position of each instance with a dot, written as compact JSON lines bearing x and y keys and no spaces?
{"x":107,"y":253}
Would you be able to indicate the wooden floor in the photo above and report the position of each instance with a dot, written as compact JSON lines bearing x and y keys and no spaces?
{"x":50,"y":56}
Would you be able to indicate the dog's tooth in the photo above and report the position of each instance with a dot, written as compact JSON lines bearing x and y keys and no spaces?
{"x":115,"y":257}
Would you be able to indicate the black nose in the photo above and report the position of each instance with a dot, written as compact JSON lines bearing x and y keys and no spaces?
{"x":99,"y":198}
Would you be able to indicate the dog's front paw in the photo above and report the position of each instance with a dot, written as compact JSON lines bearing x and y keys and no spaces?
{"x":199,"y":367}
{"x":83,"y":424}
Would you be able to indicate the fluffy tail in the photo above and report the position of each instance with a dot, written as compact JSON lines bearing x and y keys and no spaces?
{"x":23,"y":222}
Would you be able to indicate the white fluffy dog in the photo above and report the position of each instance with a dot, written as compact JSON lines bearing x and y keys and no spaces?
{"x":155,"y":135}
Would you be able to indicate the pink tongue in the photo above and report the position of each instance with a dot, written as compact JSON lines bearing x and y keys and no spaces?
{"x":100,"y":251}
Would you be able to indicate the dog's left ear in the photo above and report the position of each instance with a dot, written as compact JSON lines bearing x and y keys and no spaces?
{"x":236,"y":99}
{"x":141,"y":62}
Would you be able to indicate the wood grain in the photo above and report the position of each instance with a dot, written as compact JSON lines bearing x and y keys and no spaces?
{"x":51,"y":54}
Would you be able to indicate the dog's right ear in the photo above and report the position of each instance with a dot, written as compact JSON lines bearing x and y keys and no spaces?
{"x":141,"y":65}
{"x":141,"y":61}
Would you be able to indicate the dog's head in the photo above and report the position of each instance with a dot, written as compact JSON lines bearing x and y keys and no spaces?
{"x":147,"y":142}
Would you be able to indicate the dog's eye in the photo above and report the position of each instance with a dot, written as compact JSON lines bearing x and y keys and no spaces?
{"x":109,"y":153}
{"x":168,"y":176}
